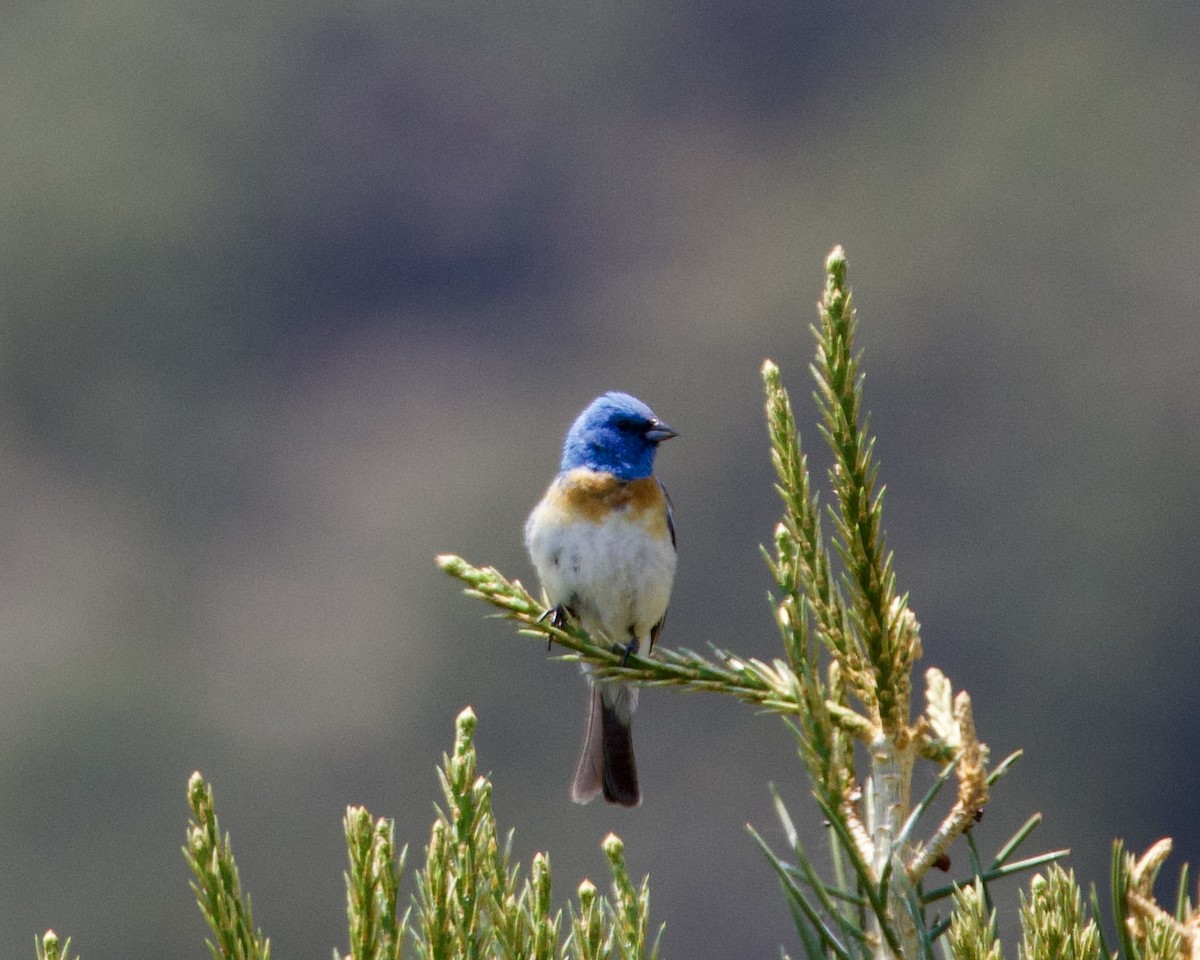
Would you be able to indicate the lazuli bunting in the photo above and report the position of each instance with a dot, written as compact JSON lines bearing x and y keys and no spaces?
{"x":603,"y":542}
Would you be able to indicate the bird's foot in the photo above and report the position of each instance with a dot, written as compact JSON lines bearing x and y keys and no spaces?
{"x":631,"y":647}
{"x":558,"y":616}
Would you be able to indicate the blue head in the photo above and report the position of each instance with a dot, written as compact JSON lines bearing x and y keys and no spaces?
{"x":618,"y":434}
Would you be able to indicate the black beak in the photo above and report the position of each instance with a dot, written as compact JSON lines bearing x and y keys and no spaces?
{"x":659,"y":431}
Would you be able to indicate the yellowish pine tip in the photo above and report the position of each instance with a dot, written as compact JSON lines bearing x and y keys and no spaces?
{"x":465,"y":722}
{"x":197,"y":789}
{"x":1146,"y":869}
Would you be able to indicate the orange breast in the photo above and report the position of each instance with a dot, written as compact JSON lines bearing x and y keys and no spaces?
{"x":596,"y":496}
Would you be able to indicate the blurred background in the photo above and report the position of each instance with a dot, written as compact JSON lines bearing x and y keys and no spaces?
{"x":296,"y":295}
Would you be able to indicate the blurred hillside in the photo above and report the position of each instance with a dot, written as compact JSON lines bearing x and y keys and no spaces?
{"x":295,"y":296}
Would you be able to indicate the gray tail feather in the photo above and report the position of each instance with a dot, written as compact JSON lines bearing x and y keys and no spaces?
{"x":606,"y":764}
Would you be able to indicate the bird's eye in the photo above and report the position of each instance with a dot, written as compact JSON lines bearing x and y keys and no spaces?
{"x":626,"y":426}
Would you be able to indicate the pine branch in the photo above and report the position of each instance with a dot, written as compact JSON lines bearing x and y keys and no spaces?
{"x":48,"y":947}
{"x":216,"y":885}
{"x":772,"y":686}
{"x":875,"y":613}
{"x":376,"y":930}
{"x":1054,"y":921}
{"x":470,"y":899}
{"x":471,"y":902}
{"x":973,"y":930}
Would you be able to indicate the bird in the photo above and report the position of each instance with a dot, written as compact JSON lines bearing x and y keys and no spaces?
{"x":602,"y":540}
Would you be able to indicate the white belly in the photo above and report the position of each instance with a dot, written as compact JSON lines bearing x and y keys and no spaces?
{"x":616,"y":576}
